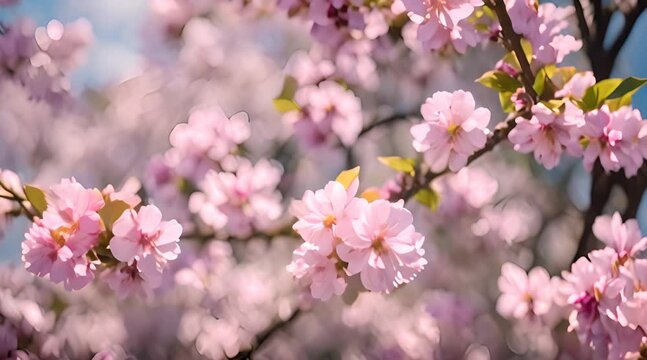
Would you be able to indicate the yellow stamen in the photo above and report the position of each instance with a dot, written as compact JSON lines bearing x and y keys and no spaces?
{"x":329,"y":221}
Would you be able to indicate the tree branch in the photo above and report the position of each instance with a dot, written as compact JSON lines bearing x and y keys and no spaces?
{"x":630,"y":20}
{"x":386,"y":121}
{"x":514,"y":40}
{"x":265,"y":335}
{"x":17,"y":198}
{"x":581,"y":22}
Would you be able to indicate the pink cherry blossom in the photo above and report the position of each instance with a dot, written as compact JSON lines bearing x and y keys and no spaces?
{"x":127,"y":193}
{"x":142,"y":237}
{"x":309,"y":68}
{"x":577,"y":85}
{"x":61,"y":254}
{"x":524,"y":295}
{"x":327,"y":111}
{"x":126,"y":280}
{"x":208,"y":136}
{"x":242,"y":201}
{"x":70,"y":227}
{"x":382,"y":246}
{"x":546,"y":134}
{"x":465,"y":192}
{"x":632,"y":311}
{"x":592,"y":290}
{"x":452,"y":131}
{"x":320,"y":213}
{"x":624,"y":238}
{"x":442,"y":22}
{"x":615,"y":138}
{"x":542,"y":24}
{"x":322,"y":273}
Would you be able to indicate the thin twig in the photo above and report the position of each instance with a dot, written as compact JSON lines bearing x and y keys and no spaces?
{"x":265,"y":335}
{"x":17,"y":198}
{"x":386,"y":121}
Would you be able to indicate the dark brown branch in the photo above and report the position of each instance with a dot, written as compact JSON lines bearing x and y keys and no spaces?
{"x":386,"y":121}
{"x":581,"y":22}
{"x":265,"y":335}
{"x":514,"y":41}
{"x":601,"y":185}
{"x":630,"y":20}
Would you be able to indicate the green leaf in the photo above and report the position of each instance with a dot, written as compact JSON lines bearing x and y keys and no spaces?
{"x":285,"y":105}
{"x":562,"y":75}
{"x":36,"y":197}
{"x":624,"y":93}
{"x":554,"y":104}
{"x":505,"y":98}
{"x":542,"y":76}
{"x":405,"y":165}
{"x":499,"y":81}
{"x":429,"y":198}
{"x":290,"y":86}
{"x":595,"y":95}
{"x":284,"y":102}
{"x":111,"y":211}
{"x":628,"y":85}
{"x":347,"y":177}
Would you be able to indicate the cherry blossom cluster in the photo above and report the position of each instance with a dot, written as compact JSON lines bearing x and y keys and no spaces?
{"x":204,"y":173}
{"x":602,"y":294}
{"x":327,"y":114}
{"x":40,"y":58}
{"x":345,"y":235}
{"x":454,"y":23}
{"x":541,"y":25}
{"x":334,"y":22}
{"x":84,"y":233}
{"x":617,"y":138}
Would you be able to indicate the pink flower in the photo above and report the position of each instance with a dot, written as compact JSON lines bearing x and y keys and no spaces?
{"x":453,"y":130}
{"x":137,"y":278}
{"x":546,"y":134}
{"x":382,"y":245}
{"x":320,"y":213}
{"x":577,"y":85}
{"x":324,"y":274}
{"x":615,"y":138}
{"x":443,"y":13}
{"x":142,"y":238}
{"x":57,"y":244}
{"x":127,"y":193}
{"x":524,"y":295}
{"x":465,"y":192}
{"x":309,"y":68}
{"x":327,"y":111}
{"x":441,"y":22}
{"x":242,"y":201}
{"x":461,"y":36}
{"x":624,"y":238}
{"x":61,"y":254}
{"x":542,"y":25}
{"x":633,"y":309}
{"x":208,"y":136}
{"x":591,"y":289}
